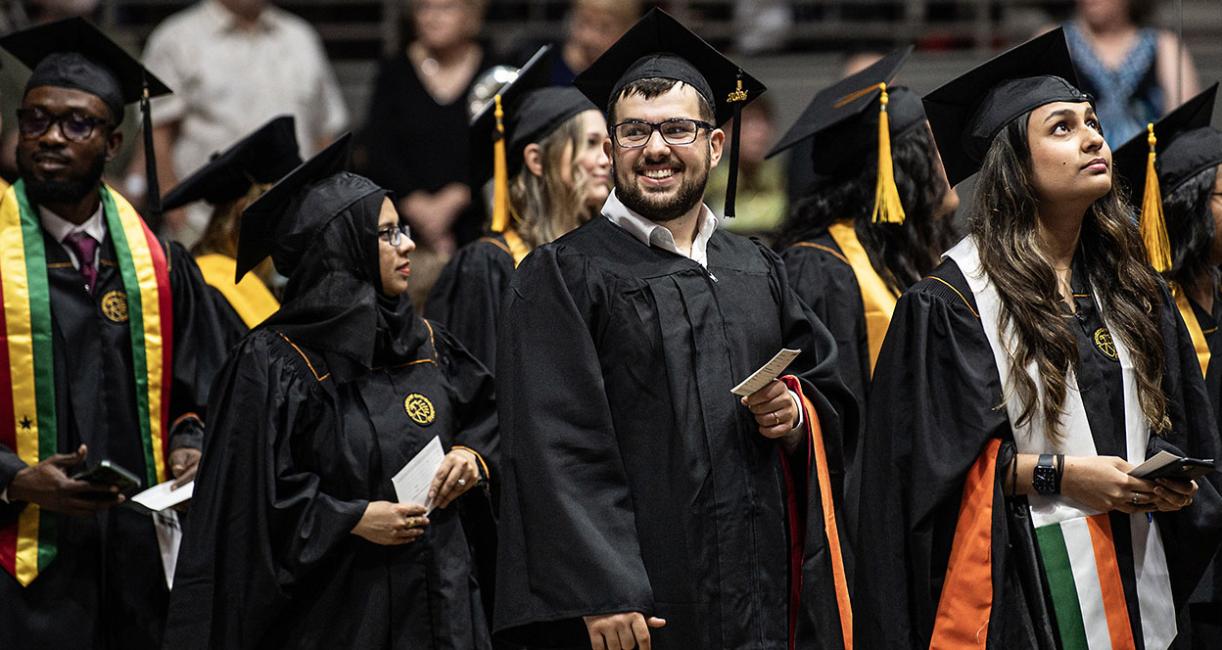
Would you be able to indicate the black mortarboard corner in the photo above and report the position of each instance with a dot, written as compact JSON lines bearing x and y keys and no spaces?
{"x":72,"y":53}
{"x":1171,"y":151}
{"x":967,"y":112}
{"x":658,"y":46}
{"x":857,"y":114}
{"x":525,"y":110}
{"x":262,"y":157}
{"x":260,"y":220}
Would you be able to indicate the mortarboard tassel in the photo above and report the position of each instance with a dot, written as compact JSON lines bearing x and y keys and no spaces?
{"x":152,"y":201}
{"x":1153,"y":224}
{"x":737,"y":98}
{"x":500,"y":172}
{"x":887,"y":206}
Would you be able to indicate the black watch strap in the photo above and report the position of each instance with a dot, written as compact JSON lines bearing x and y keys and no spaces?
{"x":1045,"y":477}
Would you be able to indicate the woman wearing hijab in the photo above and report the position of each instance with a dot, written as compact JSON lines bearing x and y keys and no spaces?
{"x":1019,"y":385}
{"x":558,"y":178}
{"x":296,"y":538}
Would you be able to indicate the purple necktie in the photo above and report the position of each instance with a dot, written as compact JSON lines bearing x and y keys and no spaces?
{"x":84,"y":247}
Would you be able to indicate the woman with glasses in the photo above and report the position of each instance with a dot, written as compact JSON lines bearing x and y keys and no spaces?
{"x":1020,"y":386}
{"x":558,"y":177}
{"x":298,"y":537}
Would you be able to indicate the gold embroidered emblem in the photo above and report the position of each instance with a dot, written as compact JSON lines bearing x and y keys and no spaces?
{"x":419,"y":409}
{"x":1103,"y":341}
{"x":114,"y":306}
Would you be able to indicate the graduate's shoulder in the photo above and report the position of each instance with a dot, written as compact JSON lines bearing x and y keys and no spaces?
{"x":485,"y":252}
{"x":273,"y":351}
{"x":945,"y":287}
{"x":817,"y":256}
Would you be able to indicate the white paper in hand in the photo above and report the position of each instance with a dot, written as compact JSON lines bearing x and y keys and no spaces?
{"x":767,"y":373}
{"x":413,"y":481}
{"x":159,"y":497}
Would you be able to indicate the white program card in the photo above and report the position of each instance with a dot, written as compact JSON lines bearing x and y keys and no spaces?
{"x":767,"y":373}
{"x":159,"y":497}
{"x":413,"y":481}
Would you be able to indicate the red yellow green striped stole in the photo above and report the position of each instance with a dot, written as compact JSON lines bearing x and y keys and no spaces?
{"x":27,"y":389}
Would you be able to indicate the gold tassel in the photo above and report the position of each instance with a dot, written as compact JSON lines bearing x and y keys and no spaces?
{"x":1153,"y":224}
{"x":500,"y":173}
{"x":887,"y":206}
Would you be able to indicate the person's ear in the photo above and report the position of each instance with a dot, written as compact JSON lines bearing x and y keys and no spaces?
{"x":114,"y":144}
{"x":717,"y":141}
{"x":532,"y":157}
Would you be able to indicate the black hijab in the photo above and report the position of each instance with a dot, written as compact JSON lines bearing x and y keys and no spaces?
{"x":327,"y":246}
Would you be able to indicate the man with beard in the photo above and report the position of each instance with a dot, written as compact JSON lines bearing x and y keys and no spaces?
{"x":107,"y":348}
{"x":644,"y":504}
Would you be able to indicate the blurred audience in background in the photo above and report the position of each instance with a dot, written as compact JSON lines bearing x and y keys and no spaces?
{"x":590,"y":28}
{"x":1128,"y":65}
{"x":233,"y":65}
{"x":414,"y":141}
{"x":761,"y":202}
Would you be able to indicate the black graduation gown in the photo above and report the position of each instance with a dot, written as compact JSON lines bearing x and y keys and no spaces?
{"x":291,"y":461}
{"x":467,"y":296}
{"x":1210,"y":588}
{"x":634,"y":480}
{"x":823,"y":279}
{"x":935,"y":397}
{"x":106,"y":587}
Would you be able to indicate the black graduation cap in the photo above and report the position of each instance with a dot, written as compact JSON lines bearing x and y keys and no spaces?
{"x":854,"y":116}
{"x":967,"y":112}
{"x":658,"y":46}
{"x":257,"y":235}
{"x":529,"y":112}
{"x":261,"y":157}
{"x":1171,"y":151}
{"x":73,"y":53}
{"x":1185,"y":145}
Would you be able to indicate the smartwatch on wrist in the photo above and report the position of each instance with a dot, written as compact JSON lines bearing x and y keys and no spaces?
{"x":1045,"y":476}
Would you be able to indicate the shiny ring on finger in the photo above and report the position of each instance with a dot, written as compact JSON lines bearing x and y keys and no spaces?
{"x":462,"y":482}
{"x":1134,"y":500}
{"x":776,"y":418}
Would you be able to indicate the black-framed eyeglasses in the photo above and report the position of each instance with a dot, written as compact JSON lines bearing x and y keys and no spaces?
{"x":634,"y":134}
{"x":76,"y":127}
{"x":394,"y":235}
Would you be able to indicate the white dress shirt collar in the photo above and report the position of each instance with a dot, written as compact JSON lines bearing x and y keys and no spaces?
{"x":225,"y":20}
{"x":654,"y":234}
{"x":59,"y":228}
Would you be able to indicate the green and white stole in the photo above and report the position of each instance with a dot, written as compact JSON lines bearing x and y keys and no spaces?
{"x":28,"y":422}
{"x":1076,"y":543}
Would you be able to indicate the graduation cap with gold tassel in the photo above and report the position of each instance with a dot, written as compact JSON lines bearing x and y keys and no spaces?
{"x":1169,"y":153}
{"x":846,"y":128}
{"x":525,"y":110}
{"x":660,"y":47}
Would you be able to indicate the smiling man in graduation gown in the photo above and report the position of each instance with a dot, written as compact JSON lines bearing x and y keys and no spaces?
{"x":644,"y":503}
{"x":107,"y":348}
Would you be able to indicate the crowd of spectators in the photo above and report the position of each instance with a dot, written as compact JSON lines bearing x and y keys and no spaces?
{"x":234,"y":64}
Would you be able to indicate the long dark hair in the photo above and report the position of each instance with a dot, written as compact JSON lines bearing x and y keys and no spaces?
{"x":901,"y":255}
{"x":1190,"y":227}
{"x":1003,"y":221}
